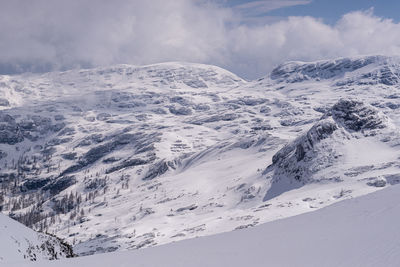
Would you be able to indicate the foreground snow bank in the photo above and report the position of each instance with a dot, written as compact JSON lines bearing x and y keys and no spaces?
{"x":18,"y":242}
{"x":358,"y":232}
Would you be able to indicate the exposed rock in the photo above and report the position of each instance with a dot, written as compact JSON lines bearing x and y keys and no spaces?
{"x":190,"y":207}
{"x":214,"y":118}
{"x":180,"y":110}
{"x":69,"y":156}
{"x":60,"y":184}
{"x":305,"y":143}
{"x":157,"y":169}
{"x":34,"y":184}
{"x":128,"y":163}
{"x":378,"y":182}
{"x":59,"y":117}
{"x":140,"y":141}
{"x":356,"y":116}
{"x":297,"y":162}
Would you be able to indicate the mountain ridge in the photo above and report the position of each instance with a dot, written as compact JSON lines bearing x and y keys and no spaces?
{"x":110,"y":158}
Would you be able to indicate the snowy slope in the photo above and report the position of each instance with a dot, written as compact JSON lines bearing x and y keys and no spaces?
{"x":128,"y":157}
{"x":21,"y":243}
{"x":357,"y":232}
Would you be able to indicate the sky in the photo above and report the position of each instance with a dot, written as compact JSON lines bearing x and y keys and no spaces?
{"x":248,"y":38}
{"x":328,"y":10}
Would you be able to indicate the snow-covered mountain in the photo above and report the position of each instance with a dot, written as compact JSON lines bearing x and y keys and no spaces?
{"x":369,"y":70}
{"x":332,"y":150}
{"x":21,"y":243}
{"x":354,"y":232}
{"x":128,"y":157}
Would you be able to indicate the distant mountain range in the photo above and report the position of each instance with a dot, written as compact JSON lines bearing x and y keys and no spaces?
{"x":127,"y":157}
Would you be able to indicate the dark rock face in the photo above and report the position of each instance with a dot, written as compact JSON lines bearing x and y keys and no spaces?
{"x":59,"y":117}
{"x":30,"y":127}
{"x":180,"y":110}
{"x":157,"y":169}
{"x":305,"y":143}
{"x":180,"y":100}
{"x":195,"y":83}
{"x":355,"y":116}
{"x":300,"y":152}
{"x":50,"y":244}
{"x":69,"y":156}
{"x":141,"y":142}
{"x":58,"y":141}
{"x":10,"y":136}
{"x":10,"y":132}
{"x":34,"y":184}
{"x":388,"y":77}
{"x":248,"y":101}
{"x":378,"y":183}
{"x":58,"y":185}
{"x":190,"y":207}
{"x":214,"y":118}
{"x":128,"y":163}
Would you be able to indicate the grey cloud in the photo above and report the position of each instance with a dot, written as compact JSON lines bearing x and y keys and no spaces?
{"x":45,"y":35}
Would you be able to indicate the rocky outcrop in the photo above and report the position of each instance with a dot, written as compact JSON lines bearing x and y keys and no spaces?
{"x":297,"y":162}
{"x":13,"y":131}
{"x":140,"y":143}
{"x":356,"y":116}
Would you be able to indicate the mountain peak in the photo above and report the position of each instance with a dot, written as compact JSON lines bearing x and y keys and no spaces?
{"x":375,"y":65}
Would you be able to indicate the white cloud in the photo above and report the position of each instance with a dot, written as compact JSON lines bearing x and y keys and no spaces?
{"x":306,"y":38}
{"x":55,"y":34}
{"x":62,"y":34}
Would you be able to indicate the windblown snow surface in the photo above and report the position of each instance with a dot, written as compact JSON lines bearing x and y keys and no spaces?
{"x":129,"y":157}
{"x":359,"y":232}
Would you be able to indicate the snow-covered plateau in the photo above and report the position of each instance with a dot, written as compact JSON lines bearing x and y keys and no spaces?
{"x":128,"y":157}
